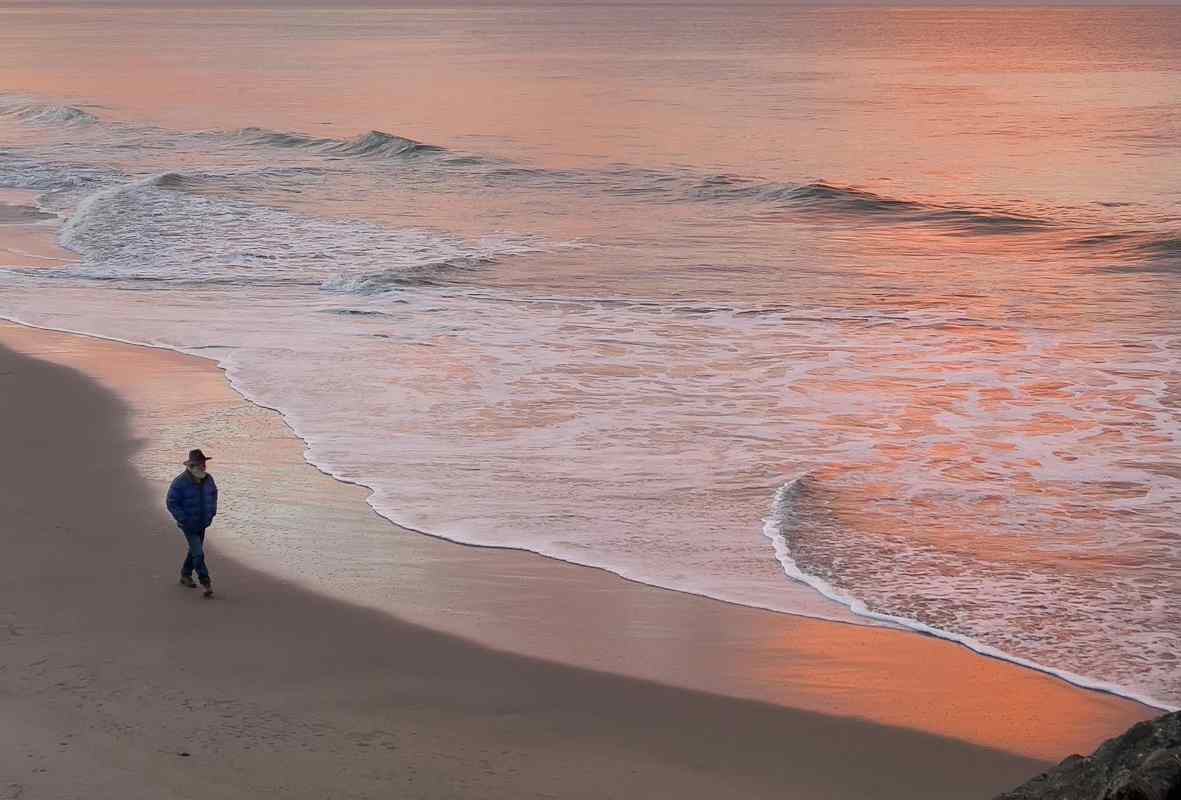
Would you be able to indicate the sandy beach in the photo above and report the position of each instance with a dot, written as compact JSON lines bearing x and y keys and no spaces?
{"x":122,"y":683}
{"x":25,"y":239}
{"x":607,"y":401}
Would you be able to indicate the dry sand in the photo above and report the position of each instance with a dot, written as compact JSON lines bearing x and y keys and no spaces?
{"x":109,"y":671}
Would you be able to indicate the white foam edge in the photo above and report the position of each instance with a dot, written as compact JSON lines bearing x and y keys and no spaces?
{"x":373,"y":500}
{"x":772,"y":529}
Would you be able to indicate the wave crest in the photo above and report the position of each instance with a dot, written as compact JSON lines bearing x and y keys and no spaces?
{"x":816,"y":198}
{"x":425,"y":275}
{"x":374,"y":144}
{"x":1136,"y":251}
{"x":829,"y":199}
{"x":171,"y":180}
{"x":47,"y":114}
{"x":382,"y":145}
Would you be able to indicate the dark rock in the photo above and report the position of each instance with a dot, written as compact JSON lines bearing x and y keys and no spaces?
{"x":1142,"y":764}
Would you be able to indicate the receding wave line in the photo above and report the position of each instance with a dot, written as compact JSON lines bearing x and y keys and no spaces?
{"x":163,"y":230}
{"x":785,"y":515}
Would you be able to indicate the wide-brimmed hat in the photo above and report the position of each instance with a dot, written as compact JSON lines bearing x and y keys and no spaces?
{"x":196,"y":457}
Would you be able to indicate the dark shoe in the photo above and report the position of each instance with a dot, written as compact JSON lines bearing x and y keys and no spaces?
{"x":208,"y":589}
{"x":185,"y":580}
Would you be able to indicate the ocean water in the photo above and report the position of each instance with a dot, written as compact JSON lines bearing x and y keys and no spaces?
{"x":866,"y":314}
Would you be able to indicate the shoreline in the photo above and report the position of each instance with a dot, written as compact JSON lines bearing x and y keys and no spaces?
{"x":120,"y":682}
{"x":506,"y":599}
{"x":24,"y":225}
{"x":861,"y":618}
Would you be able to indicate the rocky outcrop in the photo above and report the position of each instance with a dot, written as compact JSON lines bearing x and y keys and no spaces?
{"x":1142,"y":764}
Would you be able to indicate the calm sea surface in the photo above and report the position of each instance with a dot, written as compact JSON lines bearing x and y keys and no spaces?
{"x":863,"y":314}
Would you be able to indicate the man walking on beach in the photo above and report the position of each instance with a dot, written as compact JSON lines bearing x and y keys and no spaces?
{"x":192,"y":502}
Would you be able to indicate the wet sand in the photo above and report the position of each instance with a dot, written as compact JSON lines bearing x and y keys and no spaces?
{"x":112,"y":671}
{"x":26,"y":239}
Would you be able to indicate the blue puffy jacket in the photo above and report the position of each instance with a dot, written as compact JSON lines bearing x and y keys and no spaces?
{"x":192,"y":504}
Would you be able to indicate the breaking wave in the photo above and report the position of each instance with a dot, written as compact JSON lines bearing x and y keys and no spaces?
{"x":374,"y":144}
{"x":47,"y":114}
{"x":20,"y":172}
{"x":663,"y":186}
{"x":155,"y":230}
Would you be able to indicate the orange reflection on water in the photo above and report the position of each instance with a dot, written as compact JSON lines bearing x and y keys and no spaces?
{"x":927,"y":684}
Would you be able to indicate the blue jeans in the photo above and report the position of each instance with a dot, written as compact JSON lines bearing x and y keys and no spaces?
{"x":195,"y":559}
